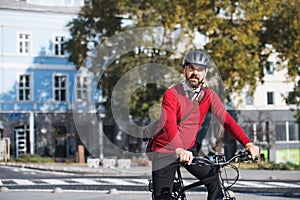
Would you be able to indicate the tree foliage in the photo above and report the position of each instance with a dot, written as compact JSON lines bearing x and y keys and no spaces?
{"x":237,"y":31}
{"x":282,"y":30}
{"x":94,"y":23}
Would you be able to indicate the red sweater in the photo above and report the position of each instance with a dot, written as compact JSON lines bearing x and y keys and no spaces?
{"x":175,"y":105}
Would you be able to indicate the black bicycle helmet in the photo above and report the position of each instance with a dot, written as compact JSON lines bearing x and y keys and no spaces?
{"x":196,"y":57}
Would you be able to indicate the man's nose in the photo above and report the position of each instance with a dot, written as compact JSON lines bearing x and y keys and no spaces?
{"x":195,"y":71}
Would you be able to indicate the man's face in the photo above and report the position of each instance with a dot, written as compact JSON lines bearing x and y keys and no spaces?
{"x":194,"y":74}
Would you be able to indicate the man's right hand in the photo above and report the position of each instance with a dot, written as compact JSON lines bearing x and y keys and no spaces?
{"x":252,"y":149}
{"x":184,"y":155}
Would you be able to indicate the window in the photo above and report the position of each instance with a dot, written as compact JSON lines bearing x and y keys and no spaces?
{"x":24,"y":88}
{"x":248,"y":99}
{"x":270,"y":68}
{"x":293,"y":131}
{"x":60,"y":87}
{"x":287,"y":131}
{"x":24,"y":44}
{"x":59,"y":45}
{"x":82,"y":88}
{"x":270,"y":98}
{"x":280,"y":132}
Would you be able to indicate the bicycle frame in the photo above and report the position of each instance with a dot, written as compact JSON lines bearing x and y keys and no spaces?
{"x":178,"y":192}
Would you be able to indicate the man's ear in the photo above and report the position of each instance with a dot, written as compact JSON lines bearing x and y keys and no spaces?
{"x":183,"y":72}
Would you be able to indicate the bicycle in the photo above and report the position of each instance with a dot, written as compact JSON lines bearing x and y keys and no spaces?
{"x":217,"y":160}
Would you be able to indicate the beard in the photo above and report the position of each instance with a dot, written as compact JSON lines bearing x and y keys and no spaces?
{"x":194,"y":81}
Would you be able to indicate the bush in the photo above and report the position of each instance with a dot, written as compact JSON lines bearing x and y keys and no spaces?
{"x":279,"y":166}
{"x":33,"y":158}
{"x":269,"y":166}
{"x":284,"y":166}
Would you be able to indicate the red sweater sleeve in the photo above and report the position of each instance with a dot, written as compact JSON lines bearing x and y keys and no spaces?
{"x":170,"y":105}
{"x":229,"y":124}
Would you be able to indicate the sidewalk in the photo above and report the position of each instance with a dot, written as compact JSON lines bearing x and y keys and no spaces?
{"x":276,"y":175}
{"x":83,"y":169}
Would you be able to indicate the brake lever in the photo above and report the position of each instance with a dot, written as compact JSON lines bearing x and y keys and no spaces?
{"x":245,"y":156}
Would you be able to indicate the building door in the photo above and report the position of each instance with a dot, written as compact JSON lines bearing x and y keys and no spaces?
{"x":60,"y":133}
{"x":22,"y":144}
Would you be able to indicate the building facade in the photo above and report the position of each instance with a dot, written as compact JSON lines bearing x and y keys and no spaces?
{"x":267,"y":116}
{"x":40,"y":89}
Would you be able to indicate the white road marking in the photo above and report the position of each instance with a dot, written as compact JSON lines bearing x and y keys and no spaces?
{"x":117,"y":181}
{"x":86,"y":181}
{"x":135,"y":182}
{"x":55,"y":182}
{"x":23,"y":182}
{"x":140,"y":181}
{"x":281,"y":184}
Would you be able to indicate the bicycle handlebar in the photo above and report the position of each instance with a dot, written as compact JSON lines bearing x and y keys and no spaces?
{"x":219,"y":159}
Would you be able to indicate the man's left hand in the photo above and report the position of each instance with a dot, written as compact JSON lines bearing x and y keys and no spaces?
{"x":252,"y":149}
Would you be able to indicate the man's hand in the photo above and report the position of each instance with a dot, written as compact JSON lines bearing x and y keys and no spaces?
{"x":252,"y":149}
{"x":184,"y":155}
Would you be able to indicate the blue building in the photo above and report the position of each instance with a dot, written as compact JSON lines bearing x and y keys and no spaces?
{"x":39,"y":87}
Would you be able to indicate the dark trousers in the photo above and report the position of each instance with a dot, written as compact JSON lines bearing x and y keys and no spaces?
{"x":163,"y":175}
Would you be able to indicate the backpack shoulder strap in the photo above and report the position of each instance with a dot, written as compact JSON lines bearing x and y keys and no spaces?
{"x":196,"y":103}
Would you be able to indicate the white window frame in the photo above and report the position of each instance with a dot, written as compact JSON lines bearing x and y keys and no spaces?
{"x":60,"y":88}
{"x":79,"y":88}
{"x":31,"y":89}
{"x":60,"y":44}
{"x":21,"y":43}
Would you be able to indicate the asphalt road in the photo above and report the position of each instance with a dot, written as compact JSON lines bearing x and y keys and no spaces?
{"x":47,"y":195}
{"x":31,"y":183}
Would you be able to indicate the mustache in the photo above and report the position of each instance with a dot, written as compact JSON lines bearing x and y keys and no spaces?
{"x":193,"y":76}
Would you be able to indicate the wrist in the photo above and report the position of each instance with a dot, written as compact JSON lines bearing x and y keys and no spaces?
{"x":179,"y":151}
{"x":249,"y":144}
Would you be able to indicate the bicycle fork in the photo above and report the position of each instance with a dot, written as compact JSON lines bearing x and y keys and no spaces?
{"x":226,"y":195}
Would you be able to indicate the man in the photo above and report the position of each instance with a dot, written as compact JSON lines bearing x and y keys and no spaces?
{"x":181,"y":122}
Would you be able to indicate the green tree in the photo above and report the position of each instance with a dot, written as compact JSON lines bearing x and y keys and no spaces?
{"x":237,"y":32}
{"x":94,"y":23}
{"x":233,"y":28}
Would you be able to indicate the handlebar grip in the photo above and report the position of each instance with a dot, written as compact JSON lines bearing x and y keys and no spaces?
{"x":246,"y":156}
{"x":201,"y":161}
